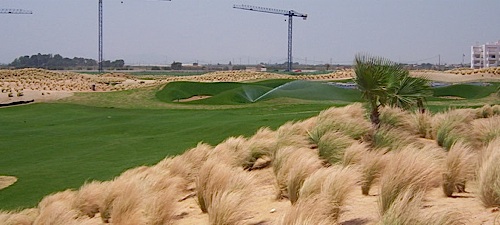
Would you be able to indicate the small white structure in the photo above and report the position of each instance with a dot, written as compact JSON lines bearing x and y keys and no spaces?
{"x":484,"y":56}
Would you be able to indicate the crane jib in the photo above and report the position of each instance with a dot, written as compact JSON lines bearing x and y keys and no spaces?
{"x":289,"y":13}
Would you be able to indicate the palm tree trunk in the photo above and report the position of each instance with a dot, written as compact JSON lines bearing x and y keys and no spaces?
{"x":375,"y":115}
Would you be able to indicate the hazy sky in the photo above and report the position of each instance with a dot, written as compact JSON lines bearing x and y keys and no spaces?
{"x":211,"y":31}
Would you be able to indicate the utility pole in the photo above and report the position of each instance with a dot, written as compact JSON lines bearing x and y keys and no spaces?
{"x":439,"y":62}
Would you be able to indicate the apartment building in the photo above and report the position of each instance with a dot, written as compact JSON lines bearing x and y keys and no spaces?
{"x":484,"y":56}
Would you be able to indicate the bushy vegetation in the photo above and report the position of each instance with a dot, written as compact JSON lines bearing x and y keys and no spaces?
{"x":55,"y":62}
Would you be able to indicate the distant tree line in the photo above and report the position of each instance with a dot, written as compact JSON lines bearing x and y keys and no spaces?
{"x":57,"y":62}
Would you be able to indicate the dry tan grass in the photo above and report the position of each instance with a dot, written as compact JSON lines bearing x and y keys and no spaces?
{"x":410,"y":169}
{"x":407,"y":209}
{"x":421,"y":123}
{"x":215,"y":178}
{"x":291,"y":166}
{"x":228,"y":207}
{"x":231,"y":151}
{"x":25,"y":217}
{"x":301,"y":166}
{"x":354,"y":153}
{"x":485,"y":112}
{"x":292,"y":134}
{"x":392,"y":138}
{"x":450,"y":126}
{"x":332,"y":146}
{"x":56,"y":213}
{"x":371,"y":166}
{"x":489,"y":175}
{"x":459,"y":168}
{"x":161,"y":207}
{"x":332,"y":184}
{"x":188,"y":164}
{"x":484,"y":130}
{"x":65,"y":198}
{"x":261,"y":145}
{"x":349,"y":120}
{"x":89,"y":198}
{"x":397,"y":118}
{"x":127,"y":207}
{"x":404,"y":209}
{"x":301,"y":213}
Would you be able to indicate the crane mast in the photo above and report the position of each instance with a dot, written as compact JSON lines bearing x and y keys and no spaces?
{"x":289,"y":13}
{"x":15,"y":11}
{"x":100,"y":37}
{"x":100,"y":13}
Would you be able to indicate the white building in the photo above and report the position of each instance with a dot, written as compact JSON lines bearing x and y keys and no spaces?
{"x":483,"y":56}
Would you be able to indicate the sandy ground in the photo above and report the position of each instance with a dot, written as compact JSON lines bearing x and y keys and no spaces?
{"x":38,"y":96}
{"x":449,"y":77}
{"x":6,"y":181}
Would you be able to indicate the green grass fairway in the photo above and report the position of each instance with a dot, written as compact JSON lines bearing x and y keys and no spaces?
{"x":52,"y":147}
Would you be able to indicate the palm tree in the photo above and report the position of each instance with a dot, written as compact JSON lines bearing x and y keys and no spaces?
{"x":383,"y":82}
{"x":407,"y":92}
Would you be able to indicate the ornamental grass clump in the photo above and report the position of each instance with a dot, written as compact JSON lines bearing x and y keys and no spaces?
{"x":215,"y":178}
{"x":451,"y":126}
{"x":421,"y":123}
{"x":407,"y":209}
{"x":371,"y":167}
{"x":291,"y":134}
{"x":349,"y":120}
{"x":396,"y":118}
{"x":301,"y":213}
{"x":484,"y":130}
{"x":459,"y":168}
{"x":410,"y":169}
{"x":300,"y":169}
{"x":355,"y":153}
{"x":333,"y":184}
{"x":89,"y":197}
{"x":261,"y":145}
{"x":392,"y":138}
{"x":291,"y":166}
{"x":333,"y":145}
{"x":489,"y":175}
{"x":228,"y":207}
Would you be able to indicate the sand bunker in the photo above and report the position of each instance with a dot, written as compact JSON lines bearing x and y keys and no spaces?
{"x":194,"y":98}
{"x":6,"y":181}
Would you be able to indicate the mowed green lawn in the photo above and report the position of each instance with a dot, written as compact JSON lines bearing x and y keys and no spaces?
{"x":52,"y":147}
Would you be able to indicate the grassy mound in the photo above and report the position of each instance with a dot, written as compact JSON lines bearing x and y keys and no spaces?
{"x":467,"y":91}
{"x":237,"y":93}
